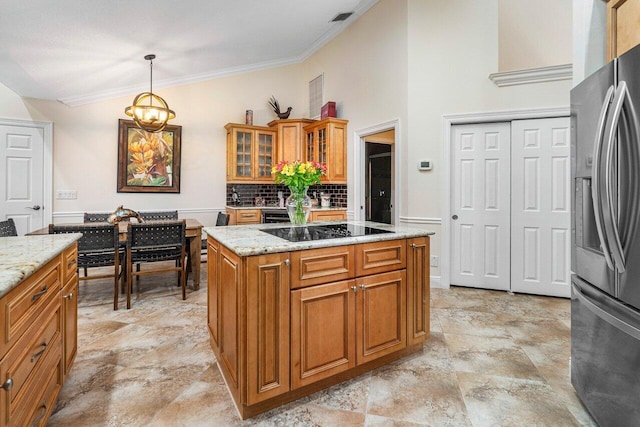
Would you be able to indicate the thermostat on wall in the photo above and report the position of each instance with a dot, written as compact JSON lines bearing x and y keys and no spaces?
{"x":425,"y":165}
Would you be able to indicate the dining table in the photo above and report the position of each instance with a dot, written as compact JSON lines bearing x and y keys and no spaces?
{"x":194,"y":239}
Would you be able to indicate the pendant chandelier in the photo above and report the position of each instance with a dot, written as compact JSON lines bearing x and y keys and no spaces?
{"x":150,"y":117}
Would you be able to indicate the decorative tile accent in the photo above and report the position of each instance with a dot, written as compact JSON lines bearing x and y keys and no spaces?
{"x":269,"y":192}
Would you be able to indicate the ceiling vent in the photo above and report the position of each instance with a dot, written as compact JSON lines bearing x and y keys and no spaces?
{"x":342,"y":16}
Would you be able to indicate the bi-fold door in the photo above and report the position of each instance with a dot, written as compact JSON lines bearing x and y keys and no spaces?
{"x":511,"y":206}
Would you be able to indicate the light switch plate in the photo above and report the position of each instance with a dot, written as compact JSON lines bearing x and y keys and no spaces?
{"x":66,"y":194}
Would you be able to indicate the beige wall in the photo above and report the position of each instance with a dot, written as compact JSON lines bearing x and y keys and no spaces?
{"x":534,"y":34}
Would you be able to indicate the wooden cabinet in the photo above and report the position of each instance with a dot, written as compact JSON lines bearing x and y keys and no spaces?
{"x":323,"y":332}
{"x":326,"y":142}
{"x":285,"y":325}
{"x":418,"y":289}
{"x":250,"y":153}
{"x":623,"y":31}
{"x":267,"y":332}
{"x":327,"y":215}
{"x":38,"y":341}
{"x":244,"y":216}
{"x":290,"y":135}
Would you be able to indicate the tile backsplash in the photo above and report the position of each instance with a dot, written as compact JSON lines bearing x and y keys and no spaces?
{"x":269,"y":192}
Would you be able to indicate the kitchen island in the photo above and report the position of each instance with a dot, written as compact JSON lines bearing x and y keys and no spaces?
{"x":304,"y":308}
{"x":38,"y":324}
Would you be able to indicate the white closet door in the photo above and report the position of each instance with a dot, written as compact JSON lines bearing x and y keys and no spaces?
{"x":540,"y":217}
{"x":480,"y":206}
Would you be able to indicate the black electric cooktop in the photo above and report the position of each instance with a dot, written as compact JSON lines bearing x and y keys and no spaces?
{"x":322,"y":232}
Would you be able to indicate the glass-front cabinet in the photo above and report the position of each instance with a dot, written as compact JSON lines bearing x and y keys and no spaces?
{"x":250,"y":153}
{"x":326,"y":142}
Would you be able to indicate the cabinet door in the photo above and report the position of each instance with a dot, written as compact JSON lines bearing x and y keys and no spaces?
{"x":70,"y":322}
{"x":418,"y":290}
{"x":230,"y":316}
{"x":243,"y":152}
{"x":322,"y":332}
{"x":213,"y":293}
{"x":263,"y":155}
{"x":310,"y":148}
{"x":336,"y":157}
{"x":382,"y":321}
{"x":622,"y":27}
{"x":267,"y":326}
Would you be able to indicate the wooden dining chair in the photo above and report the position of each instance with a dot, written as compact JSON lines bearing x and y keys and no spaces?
{"x":159,"y":215}
{"x":156,"y":241}
{"x":8,"y":228}
{"x":99,"y":246}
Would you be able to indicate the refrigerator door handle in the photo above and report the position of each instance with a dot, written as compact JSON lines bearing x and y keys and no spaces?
{"x":610,"y":223}
{"x":595,"y":188}
{"x":602,"y":313}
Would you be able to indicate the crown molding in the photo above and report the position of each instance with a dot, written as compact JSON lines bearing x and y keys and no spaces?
{"x":533,"y":75}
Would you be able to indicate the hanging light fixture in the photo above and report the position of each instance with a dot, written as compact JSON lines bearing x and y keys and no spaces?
{"x":150,"y":117}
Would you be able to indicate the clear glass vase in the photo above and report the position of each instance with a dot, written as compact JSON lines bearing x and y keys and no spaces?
{"x":298,"y":205}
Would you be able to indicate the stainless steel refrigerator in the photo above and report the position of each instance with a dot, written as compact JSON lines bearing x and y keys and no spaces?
{"x":605,"y":256}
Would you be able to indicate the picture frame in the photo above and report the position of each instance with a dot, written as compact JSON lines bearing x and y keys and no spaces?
{"x":148,"y":162}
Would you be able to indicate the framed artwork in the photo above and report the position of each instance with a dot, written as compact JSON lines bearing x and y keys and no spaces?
{"x":148,"y":162}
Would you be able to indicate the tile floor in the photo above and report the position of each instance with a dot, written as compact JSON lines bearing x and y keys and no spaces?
{"x":493,"y":359}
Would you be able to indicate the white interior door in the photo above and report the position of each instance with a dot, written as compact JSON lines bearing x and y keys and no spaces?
{"x":22,"y":176}
{"x":540,"y":215}
{"x":480,"y":253}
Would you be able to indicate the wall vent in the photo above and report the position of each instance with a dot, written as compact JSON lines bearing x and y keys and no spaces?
{"x":342,"y":16}
{"x":316,"y":87}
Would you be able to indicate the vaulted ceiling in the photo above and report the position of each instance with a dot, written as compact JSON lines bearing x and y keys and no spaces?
{"x":81,"y":51}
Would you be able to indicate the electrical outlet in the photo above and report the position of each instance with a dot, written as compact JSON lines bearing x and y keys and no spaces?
{"x":435,"y":260}
{"x":66,"y":194}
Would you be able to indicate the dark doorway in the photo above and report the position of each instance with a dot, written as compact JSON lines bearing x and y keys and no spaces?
{"x":378,"y":185}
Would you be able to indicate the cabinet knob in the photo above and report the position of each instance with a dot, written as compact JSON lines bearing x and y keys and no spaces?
{"x":8,"y":385}
{"x":412,"y":245}
{"x":354,"y":289}
{"x":362,"y":287}
{"x":69,"y":296}
{"x":287,"y":262}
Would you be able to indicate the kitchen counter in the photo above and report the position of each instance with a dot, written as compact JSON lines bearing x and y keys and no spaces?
{"x":247,"y":240}
{"x":21,"y":256}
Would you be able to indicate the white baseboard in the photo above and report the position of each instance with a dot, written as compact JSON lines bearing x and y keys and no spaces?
{"x":436,"y":282}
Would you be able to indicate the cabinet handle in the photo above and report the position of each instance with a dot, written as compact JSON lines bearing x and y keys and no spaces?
{"x":39,"y":294}
{"x":8,"y":385}
{"x":413,"y":245}
{"x":69,"y":296}
{"x":43,"y":407}
{"x":39,"y":353}
{"x":72,"y":262}
{"x":354,"y":289}
{"x":287,"y":262}
{"x":362,"y":287}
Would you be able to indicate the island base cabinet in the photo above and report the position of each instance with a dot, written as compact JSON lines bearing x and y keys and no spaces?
{"x":418,"y":290}
{"x":322,"y":331}
{"x":213,"y":294}
{"x":267,"y":326}
{"x":382,"y":316}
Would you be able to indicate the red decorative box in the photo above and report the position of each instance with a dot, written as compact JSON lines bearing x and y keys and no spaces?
{"x":328,"y":110}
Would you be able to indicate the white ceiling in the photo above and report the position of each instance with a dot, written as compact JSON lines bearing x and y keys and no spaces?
{"x":81,"y":51}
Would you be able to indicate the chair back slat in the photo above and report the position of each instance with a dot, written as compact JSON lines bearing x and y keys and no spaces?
{"x":95,"y":237}
{"x":96,"y":217}
{"x":8,"y":228}
{"x":223,"y":219}
{"x":159,"y":215}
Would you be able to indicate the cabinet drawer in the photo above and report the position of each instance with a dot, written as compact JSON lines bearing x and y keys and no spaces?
{"x":47,"y":400}
{"x":248,"y":216}
{"x":33,"y":356}
{"x":20,"y":307}
{"x":69,"y":262}
{"x":317,"y":266}
{"x":379,"y":257}
{"x":328,"y":215}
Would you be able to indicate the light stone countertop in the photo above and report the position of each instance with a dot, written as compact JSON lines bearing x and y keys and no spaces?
{"x":22,"y":256}
{"x":247,"y":240}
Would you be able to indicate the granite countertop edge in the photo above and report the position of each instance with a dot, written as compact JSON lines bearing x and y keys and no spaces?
{"x":22,"y":256}
{"x":248,"y":240}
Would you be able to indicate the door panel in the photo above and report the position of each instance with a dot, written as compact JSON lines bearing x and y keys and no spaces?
{"x":480,"y":247}
{"x":540,"y":214}
{"x":21,"y":176}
